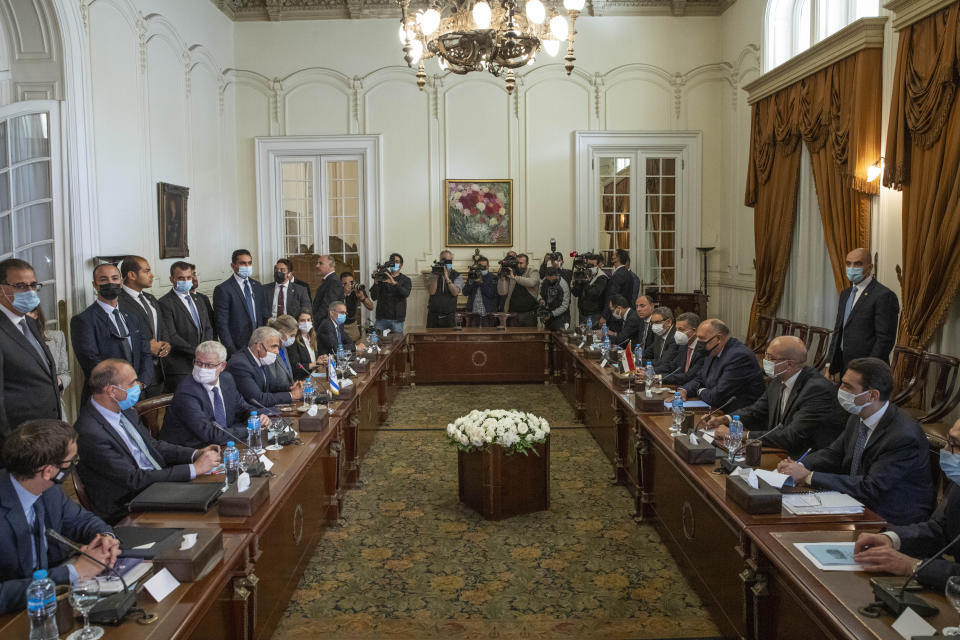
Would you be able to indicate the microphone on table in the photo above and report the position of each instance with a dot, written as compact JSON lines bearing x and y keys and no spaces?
{"x":896,"y":600}
{"x":115,"y":607}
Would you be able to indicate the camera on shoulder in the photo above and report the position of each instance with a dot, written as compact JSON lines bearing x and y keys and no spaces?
{"x":440,"y":266}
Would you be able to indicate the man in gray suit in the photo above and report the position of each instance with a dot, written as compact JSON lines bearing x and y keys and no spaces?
{"x":283,"y":296}
{"x":28,"y":374}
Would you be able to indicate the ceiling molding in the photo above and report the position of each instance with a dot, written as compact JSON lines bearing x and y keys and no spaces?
{"x":906,"y":12}
{"x":277,"y":10}
{"x":865,"y":33}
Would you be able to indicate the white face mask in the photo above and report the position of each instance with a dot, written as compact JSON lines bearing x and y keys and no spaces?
{"x":305,"y":326}
{"x":657,"y":329}
{"x":268,"y":359}
{"x":681,"y":338}
{"x":847,"y":401}
{"x":287,"y":341}
{"x":770,"y":368}
{"x":205,"y":376}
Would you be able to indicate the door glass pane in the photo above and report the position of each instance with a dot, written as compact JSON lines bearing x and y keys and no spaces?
{"x":41,"y":258}
{"x":660,"y":246}
{"x":344,"y":211}
{"x":616,"y":183}
{"x":4,"y":191}
{"x":6,"y":236}
{"x":29,"y":137}
{"x":34,"y":223}
{"x":297,"y":198}
{"x":31,"y":182}
{"x":3,"y":145}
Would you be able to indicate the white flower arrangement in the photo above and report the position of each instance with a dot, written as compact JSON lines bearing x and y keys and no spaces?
{"x":515,"y":431}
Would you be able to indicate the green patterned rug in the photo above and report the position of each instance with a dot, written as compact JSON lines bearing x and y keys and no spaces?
{"x":412,"y":562}
{"x":435,"y":406}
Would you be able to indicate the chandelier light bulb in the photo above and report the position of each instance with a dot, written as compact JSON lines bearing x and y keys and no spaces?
{"x":416,"y":50}
{"x":552,"y":47}
{"x":443,"y":63}
{"x":429,"y":21}
{"x":559,"y":28}
{"x":536,"y":12}
{"x":402,"y":34}
{"x":481,"y":15}
{"x":573,"y":5}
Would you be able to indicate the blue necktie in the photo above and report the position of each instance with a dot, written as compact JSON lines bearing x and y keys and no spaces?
{"x":283,"y":357}
{"x":858,"y":449}
{"x":248,"y":294}
{"x":141,"y":453}
{"x":194,"y":314}
{"x":219,"y":413}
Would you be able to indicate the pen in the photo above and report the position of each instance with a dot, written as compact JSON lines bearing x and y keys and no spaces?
{"x":800,"y":459}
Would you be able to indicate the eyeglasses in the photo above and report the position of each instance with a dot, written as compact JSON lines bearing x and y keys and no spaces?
{"x":205,"y":365}
{"x":24,"y":286}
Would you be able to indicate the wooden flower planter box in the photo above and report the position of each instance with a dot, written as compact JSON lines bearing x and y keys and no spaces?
{"x":499,"y":486}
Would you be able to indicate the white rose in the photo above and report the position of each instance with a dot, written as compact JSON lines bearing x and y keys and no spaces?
{"x":522,"y":428}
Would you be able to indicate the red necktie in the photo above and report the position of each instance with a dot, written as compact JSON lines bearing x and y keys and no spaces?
{"x":280,"y":298}
{"x":689,"y":355}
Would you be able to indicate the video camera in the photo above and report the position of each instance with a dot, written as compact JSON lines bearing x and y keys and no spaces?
{"x":554,"y":255}
{"x":581,"y":268}
{"x":475,"y":272}
{"x":380,"y":273}
{"x":511,"y":263}
{"x":440,"y":266}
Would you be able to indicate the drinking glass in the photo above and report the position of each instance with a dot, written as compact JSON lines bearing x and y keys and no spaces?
{"x":952,"y":592}
{"x":83,"y":596}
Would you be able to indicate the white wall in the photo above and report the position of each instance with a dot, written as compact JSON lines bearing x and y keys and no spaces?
{"x":157,"y":70}
{"x":335,"y":77}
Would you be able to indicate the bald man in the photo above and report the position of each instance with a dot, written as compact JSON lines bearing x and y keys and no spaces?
{"x":798,"y":410}
{"x":867,"y":316}
{"x":730,"y":376}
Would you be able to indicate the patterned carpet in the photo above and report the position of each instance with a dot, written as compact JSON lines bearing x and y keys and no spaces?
{"x":435,"y":406}
{"x":412,"y":562}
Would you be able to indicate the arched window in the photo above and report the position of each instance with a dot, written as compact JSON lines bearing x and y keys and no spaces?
{"x":793,"y":25}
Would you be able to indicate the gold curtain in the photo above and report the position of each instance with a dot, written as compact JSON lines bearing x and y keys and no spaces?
{"x":836,"y":113}
{"x":923,"y":160}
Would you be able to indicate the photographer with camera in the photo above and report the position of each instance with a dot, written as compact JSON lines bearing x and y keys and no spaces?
{"x":589,"y":286}
{"x":555,"y":257}
{"x":520,"y":286}
{"x":353,"y":296}
{"x":444,"y":285}
{"x":391,"y":290}
{"x":554,"y":310}
{"x":481,"y":290}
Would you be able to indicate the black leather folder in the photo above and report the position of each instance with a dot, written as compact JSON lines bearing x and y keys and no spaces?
{"x":177,"y":496}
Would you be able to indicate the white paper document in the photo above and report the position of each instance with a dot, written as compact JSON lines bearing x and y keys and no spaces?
{"x":708,"y":435}
{"x":772,"y":478}
{"x":823,"y":502}
{"x":267,"y":462}
{"x":829,"y":556}
{"x":161,"y":585}
{"x":910,"y":625}
{"x":189,"y":539}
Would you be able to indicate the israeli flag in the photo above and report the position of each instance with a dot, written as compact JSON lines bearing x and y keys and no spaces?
{"x":332,"y":375}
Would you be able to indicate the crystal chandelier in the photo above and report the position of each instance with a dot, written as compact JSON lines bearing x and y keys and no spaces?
{"x":470,"y":35}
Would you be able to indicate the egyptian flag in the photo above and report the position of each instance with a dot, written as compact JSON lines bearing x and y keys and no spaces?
{"x":626,"y":359}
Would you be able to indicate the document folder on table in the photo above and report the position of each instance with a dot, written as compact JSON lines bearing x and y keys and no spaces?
{"x":822,"y":502}
{"x":177,"y":496}
{"x":145,"y":542}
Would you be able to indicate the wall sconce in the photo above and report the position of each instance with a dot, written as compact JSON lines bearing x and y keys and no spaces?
{"x":875,"y":170}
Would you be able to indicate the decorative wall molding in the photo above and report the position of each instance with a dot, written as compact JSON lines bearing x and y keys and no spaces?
{"x":865,"y":33}
{"x":906,"y":12}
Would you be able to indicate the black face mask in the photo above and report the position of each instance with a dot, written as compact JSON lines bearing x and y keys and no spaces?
{"x":63,"y":474}
{"x":701,"y":347}
{"x":110,"y":291}
{"x":279,"y":278}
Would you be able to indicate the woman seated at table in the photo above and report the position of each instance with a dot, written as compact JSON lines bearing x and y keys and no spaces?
{"x":303,"y":351}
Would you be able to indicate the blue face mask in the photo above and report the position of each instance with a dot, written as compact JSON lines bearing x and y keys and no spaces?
{"x":26,"y":301}
{"x":855,"y":274}
{"x":484,"y":272}
{"x":133,"y":395}
{"x":395,"y":268}
{"x":244,"y":272}
{"x":341,"y":318}
{"x":950,"y":465}
{"x":184,"y":286}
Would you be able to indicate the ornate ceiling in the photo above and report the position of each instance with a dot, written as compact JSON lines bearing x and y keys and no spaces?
{"x":339,"y":9}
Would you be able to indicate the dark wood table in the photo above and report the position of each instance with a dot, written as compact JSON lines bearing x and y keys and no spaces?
{"x":486,"y":355}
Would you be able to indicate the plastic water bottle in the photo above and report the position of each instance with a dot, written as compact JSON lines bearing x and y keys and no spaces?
{"x":231,"y":462}
{"x":589,"y":324}
{"x":254,"y":441}
{"x":308,"y":391}
{"x":42,"y":607}
{"x":676,"y":408}
{"x":374,"y":342}
{"x":605,"y":347}
{"x":735,"y":439}
{"x":648,"y":374}
{"x":341,"y":355}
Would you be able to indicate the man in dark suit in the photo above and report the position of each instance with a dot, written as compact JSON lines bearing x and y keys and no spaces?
{"x":899,"y":550}
{"x":103,"y":330}
{"x":882,"y":457}
{"x":137,"y":276}
{"x":867,"y":316}
{"x":645,"y":336}
{"x":665,"y":351}
{"x":330,"y":333}
{"x":238,"y":303}
{"x":250,"y":368}
{"x":730,"y":370}
{"x":690,"y":356}
{"x":208,"y":397}
{"x":28,"y":375}
{"x":619,"y":284}
{"x":118,"y":456}
{"x":631,"y":325}
{"x":330,"y":289}
{"x":799,"y":409}
{"x":188,"y":322}
{"x":39,"y":457}
{"x":294,"y":299}
{"x":204,"y":301}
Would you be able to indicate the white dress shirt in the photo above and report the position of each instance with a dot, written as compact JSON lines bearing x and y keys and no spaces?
{"x":133,"y":293}
{"x":859,"y":289}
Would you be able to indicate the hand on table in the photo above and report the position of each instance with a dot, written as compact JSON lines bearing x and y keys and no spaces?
{"x":794,"y":469}
{"x":207,"y":460}
{"x":876,"y":553}
{"x":264,"y":421}
{"x":718,"y":422}
{"x":683,"y":393}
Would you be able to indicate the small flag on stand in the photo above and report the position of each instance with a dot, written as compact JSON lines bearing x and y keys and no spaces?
{"x":332,"y":375}
{"x":626,"y":357}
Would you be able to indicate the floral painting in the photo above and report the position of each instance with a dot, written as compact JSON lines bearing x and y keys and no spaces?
{"x":479,"y":213}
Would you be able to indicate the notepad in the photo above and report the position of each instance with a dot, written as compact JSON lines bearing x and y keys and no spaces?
{"x":829,"y":556}
{"x":824,"y":502}
{"x":688,"y":404}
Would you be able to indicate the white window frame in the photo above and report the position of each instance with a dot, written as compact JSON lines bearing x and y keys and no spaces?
{"x":687,"y":146}
{"x":817,"y":27}
{"x":271,"y":151}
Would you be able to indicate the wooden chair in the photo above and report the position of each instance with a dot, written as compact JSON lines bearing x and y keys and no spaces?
{"x":944,"y":399}
{"x":761,"y":335}
{"x":822,"y":350}
{"x":151,"y":412}
{"x":799,"y":330}
{"x":781,"y":327}
{"x":80,"y":491}
{"x":910,"y":363}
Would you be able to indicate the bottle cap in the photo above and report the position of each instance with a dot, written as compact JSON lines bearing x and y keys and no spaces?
{"x":649,"y":363}
{"x":253,"y":413}
{"x":230,"y":443}
{"x":39,"y":574}
{"x":736,"y":417}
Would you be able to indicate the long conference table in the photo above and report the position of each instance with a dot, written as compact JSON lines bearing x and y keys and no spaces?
{"x":751,"y":578}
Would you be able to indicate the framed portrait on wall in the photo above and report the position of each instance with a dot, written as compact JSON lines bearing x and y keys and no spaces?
{"x":172,"y":216}
{"x":479,"y":213}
